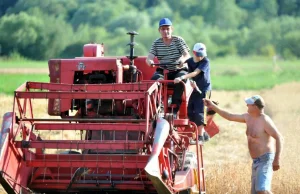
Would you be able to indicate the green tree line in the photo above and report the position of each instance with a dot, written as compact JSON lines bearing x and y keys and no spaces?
{"x":43,"y":29}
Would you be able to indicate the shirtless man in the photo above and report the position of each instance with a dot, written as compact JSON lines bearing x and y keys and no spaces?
{"x":264,"y":141}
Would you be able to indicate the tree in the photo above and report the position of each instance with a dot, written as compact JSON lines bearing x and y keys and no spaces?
{"x":5,"y":4}
{"x":185,"y":8}
{"x":281,"y":28}
{"x":38,"y":36}
{"x":259,"y":36}
{"x":225,"y":26}
{"x":224,"y":14}
{"x":18,"y":32}
{"x":160,"y":11}
{"x":291,"y":44}
{"x":100,"y":13}
{"x":267,"y":9}
{"x":129,"y":21}
{"x":56,"y":8}
{"x":288,"y":7}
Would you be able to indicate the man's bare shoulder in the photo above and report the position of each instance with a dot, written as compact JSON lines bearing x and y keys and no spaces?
{"x":246,"y":116}
{"x":267,"y":119}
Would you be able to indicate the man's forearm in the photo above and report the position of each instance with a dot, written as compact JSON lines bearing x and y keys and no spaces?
{"x":222,"y":113}
{"x":279,"y":145}
{"x":148,"y":61}
{"x":185,"y":56}
{"x":183,"y":59}
{"x":189,"y":75}
{"x":149,"y":58}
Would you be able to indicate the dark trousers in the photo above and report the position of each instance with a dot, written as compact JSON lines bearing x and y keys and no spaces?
{"x":178,"y":88}
{"x":196,"y":107}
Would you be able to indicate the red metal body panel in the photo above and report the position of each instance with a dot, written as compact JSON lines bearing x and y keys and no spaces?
{"x":123,"y":144}
{"x":63,"y":70}
{"x":13,"y":170}
{"x":93,"y":50}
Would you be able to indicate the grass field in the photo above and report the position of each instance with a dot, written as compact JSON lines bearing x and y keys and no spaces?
{"x":10,"y":82}
{"x":21,"y":63}
{"x":231,"y":73}
{"x":236,"y":73}
{"x":227,"y":162}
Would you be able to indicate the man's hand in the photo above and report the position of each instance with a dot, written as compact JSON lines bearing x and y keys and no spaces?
{"x":177,"y":80}
{"x":132,"y":69}
{"x":208,"y":103}
{"x":150,"y":62}
{"x":179,"y":63}
{"x":276,"y":165}
{"x":193,"y":84}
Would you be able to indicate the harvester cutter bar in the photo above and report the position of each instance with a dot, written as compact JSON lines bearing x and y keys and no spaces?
{"x":81,"y":95}
{"x":88,"y":120}
{"x":81,"y":144}
{"x":95,"y":185}
{"x":95,"y":181}
{"x":90,"y":126}
{"x":107,"y":161}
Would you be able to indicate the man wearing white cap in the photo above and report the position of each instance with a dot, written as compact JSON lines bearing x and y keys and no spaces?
{"x":199,"y":69}
{"x":264,"y":141}
{"x":173,"y":51}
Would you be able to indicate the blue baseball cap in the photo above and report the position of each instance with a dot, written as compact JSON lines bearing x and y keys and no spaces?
{"x":165,"y":22}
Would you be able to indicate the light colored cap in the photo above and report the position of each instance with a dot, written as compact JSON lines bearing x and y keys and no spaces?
{"x":200,"y":50}
{"x":257,"y":100}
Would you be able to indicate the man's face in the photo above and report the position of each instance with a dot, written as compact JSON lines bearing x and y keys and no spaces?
{"x":166,"y":31}
{"x":252,"y":108}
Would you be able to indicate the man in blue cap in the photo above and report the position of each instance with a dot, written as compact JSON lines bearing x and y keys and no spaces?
{"x":171,"y":50}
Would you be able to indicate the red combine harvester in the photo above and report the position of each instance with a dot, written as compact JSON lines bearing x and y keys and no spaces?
{"x":126,"y":141}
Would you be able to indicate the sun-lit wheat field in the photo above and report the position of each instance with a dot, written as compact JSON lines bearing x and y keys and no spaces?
{"x":227,"y":162}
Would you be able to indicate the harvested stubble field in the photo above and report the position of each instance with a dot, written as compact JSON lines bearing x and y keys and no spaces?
{"x":227,"y":162}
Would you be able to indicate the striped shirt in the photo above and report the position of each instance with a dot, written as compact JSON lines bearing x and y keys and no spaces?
{"x":171,"y":53}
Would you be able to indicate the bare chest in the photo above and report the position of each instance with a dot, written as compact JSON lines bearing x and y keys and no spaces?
{"x":255,"y":128}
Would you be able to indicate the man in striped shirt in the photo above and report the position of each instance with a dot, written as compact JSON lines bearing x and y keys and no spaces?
{"x":172,"y":52}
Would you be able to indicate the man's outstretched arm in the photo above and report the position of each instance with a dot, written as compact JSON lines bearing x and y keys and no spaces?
{"x":223,"y":113}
